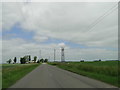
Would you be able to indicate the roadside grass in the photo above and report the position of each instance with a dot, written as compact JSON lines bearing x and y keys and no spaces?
{"x":11,"y":73}
{"x":106,"y":71}
{"x":0,"y":77}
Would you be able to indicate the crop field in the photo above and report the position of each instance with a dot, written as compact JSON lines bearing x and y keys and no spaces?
{"x":13,"y":72}
{"x":106,"y":71}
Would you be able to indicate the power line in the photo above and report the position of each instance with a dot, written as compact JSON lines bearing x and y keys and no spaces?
{"x":102,"y":17}
{"x":95,"y":22}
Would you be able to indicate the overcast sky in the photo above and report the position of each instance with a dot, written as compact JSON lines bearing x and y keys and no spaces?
{"x":88,"y":30}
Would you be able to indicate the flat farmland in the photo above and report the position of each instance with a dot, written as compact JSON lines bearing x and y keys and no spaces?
{"x":106,"y":71}
{"x":11,"y":73}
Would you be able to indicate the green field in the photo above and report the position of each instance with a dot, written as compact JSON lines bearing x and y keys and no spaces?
{"x":106,"y":71}
{"x":0,"y":76}
{"x":13,"y":72}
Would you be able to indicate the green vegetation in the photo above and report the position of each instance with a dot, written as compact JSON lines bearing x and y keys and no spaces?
{"x":25,"y":59}
{"x":13,"y":72}
{"x":42,"y":60}
{"x":9,"y":61}
{"x":35,"y":58}
{"x":46,"y":60}
{"x":0,"y":76}
{"x":106,"y":71}
{"x":15,"y":60}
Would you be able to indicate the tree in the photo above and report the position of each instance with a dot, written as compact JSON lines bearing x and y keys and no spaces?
{"x":82,"y":61}
{"x":22,"y":60}
{"x":15,"y":60}
{"x":26,"y":58}
{"x":99,"y":59}
{"x":38,"y":61}
{"x":35,"y":58}
{"x":46,"y":60}
{"x":9,"y":61}
{"x":29,"y":58}
{"x":42,"y":60}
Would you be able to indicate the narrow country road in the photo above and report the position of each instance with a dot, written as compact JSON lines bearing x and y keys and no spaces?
{"x":47,"y":76}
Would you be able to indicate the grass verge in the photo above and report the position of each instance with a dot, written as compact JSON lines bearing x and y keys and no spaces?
{"x":106,"y":71}
{"x":11,"y":73}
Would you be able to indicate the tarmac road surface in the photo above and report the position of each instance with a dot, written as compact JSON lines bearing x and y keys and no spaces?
{"x":47,"y":76}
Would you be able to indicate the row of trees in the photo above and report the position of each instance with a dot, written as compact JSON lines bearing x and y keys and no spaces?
{"x":27,"y":59}
{"x":14,"y":60}
{"x":42,"y":60}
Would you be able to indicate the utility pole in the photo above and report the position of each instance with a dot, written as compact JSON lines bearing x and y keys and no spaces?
{"x":54,"y":54}
{"x":62,"y":55}
{"x":40,"y":54}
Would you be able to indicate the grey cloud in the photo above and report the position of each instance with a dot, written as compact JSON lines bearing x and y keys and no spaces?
{"x":66,"y":21}
{"x":18,"y":48}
